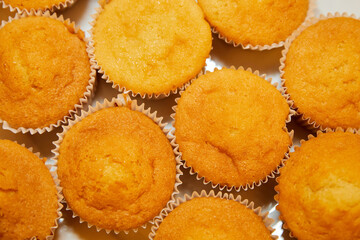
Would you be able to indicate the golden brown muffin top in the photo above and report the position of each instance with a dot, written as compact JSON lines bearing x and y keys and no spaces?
{"x":206,"y":218}
{"x":151,"y":46}
{"x":319,"y":188}
{"x":322,"y":72}
{"x":117,"y":168}
{"x":44,"y":71}
{"x":28,"y":196}
{"x":255,"y":22}
{"x":34,"y":4}
{"x":229,"y":125}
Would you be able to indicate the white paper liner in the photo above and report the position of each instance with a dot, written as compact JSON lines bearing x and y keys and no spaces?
{"x":123,"y":89}
{"x":90,"y":89}
{"x":310,"y":136}
{"x":310,"y":14}
{"x":253,"y":184}
{"x":60,"y":197}
{"x":122,"y":100}
{"x":55,"y":7}
{"x":304,"y":120}
{"x":250,"y":205}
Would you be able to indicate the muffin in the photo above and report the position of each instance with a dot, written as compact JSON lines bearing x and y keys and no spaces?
{"x":44,"y":71}
{"x":255,"y":22}
{"x":150,"y":47}
{"x":318,"y":191}
{"x":117,"y":168}
{"x":212,"y":218}
{"x":28,"y":5}
{"x":28,"y":195}
{"x":230,"y":126}
{"x":321,"y":71}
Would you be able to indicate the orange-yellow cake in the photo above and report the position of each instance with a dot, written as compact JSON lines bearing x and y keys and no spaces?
{"x":207,"y":218}
{"x":28,"y":196}
{"x":255,"y":22}
{"x":35,"y":4}
{"x":151,"y":46}
{"x":117,"y":169}
{"x":319,"y":188}
{"x":44,"y":71}
{"x":322,"y":72}
{"x":230,"y":127}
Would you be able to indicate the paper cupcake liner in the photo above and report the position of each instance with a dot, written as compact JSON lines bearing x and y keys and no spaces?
{"x":120,"y":88}
{"x":310,"y":14}
{"x":250,"y":205}
{"x":252,"y":185}
{"x":303,"y":119}
{"x":90,"y":89}
{"x":60,"y":197}
{"x":310,"y":136}
{"x":55,"y":7}
{"x":122,"y":100}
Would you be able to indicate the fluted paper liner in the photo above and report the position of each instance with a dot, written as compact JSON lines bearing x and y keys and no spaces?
{"x":88,"y":94}
{"x":122,"y":100}
{"x":55,"y":7}
{"x":116,"y":86}
{"x":60,"y":197}
{"x":252,"y":185}
{"x":310,"y":136}
{"x":250,"y":205}
{"x":303,"y":119}
{"x":310,"y":14}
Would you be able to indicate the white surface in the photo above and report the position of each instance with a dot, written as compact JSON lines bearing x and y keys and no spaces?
{"x":222,"y":55}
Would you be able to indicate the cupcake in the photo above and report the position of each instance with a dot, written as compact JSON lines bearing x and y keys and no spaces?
{"x":150,"y":47}
{"x":45,"y":72}
{"x":28,"y":195}
{"x":255,"y":24}
{"x":212,"y":217}
{"x":230,"y":126}
{"x":116,"y":167}
{"x":321,"y":72}
{"x":318,"y":191}
{"x":31,"y":5}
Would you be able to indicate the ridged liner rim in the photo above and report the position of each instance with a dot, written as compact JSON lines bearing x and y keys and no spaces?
{"x":90,"y":88}
{"x":55,"y":7}
{"x":229,"y":196}
{"x":252,"y":185}
{"x":122,"y":100}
